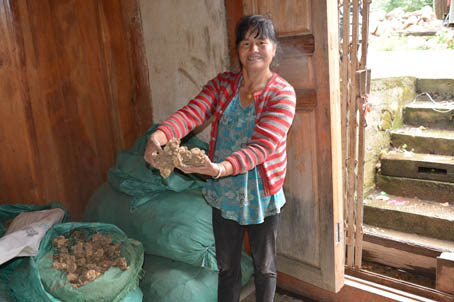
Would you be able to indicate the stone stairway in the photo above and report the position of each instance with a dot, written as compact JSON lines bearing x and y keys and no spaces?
{"x":415,"y":182}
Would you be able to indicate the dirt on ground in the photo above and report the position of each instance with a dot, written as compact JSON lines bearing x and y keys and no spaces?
{"x":173,"y":156}
{"x":85,"y":260}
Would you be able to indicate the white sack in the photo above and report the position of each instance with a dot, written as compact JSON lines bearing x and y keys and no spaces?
{"x":26,"y":232}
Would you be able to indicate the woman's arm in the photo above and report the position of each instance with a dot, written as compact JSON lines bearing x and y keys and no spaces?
{"x":215,"y":170}
{"x":195,"y":113}
{"x":178,"y":125}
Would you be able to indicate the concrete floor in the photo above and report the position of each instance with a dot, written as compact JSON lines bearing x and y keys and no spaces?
{"x":248,"y":294}
{"x":277,"y":298}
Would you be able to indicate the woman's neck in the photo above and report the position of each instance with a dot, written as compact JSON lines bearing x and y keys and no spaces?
{"x":255,"y":81}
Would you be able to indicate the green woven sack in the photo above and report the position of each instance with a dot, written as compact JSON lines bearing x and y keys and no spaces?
{"x":36,"y":281}
{"x":176,"y":225}
{"x":166,"y":280}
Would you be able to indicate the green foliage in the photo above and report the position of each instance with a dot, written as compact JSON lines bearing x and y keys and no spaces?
{"x":443,"y":37}
{"x":406,"y":5}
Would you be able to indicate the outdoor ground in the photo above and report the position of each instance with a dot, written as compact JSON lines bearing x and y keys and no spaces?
{"x":429,"y":64}
{"x":424,"y":49}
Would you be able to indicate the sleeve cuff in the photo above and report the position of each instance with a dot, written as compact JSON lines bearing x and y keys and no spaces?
{"x":235,"y":164}
{"x":167,"y":131}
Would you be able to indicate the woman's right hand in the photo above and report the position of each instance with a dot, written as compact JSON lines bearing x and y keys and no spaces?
{"x":155,"y":141}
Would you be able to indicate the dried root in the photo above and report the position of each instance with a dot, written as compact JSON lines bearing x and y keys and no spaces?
{"x":174,"y":156}
{"x":85,"y":261}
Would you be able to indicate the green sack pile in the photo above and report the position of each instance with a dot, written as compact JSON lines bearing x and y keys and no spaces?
{"x":34,"y":279}
{"x":176,"y":225}
{"x":166,"y":280}
{"x":172,"y":220}
{"x":169,"y":216}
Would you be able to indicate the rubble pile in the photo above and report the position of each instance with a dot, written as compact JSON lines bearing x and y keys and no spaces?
{"x":383,"y":24}
{"x":173,"y":156}
{"x":85,"y":260}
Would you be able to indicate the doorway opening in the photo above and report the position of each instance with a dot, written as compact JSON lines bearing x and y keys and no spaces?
{"x":408,"y":183}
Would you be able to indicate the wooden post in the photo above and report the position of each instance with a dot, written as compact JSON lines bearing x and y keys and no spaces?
{"x":344,"y":98}
{"x":364,"y":81}
{"x":355,"y":83}
{"x":360,"y":174}
{"x":353,"y":124}
{"x":365,"y":34}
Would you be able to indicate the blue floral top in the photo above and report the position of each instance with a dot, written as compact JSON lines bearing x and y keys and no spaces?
{"x":240,"y":197}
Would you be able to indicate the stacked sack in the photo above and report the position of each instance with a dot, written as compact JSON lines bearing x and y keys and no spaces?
{"x":172,"y":220}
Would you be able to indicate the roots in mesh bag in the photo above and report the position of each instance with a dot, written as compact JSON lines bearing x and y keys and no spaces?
{"x":85,"y":260}
{"x":174,"y":156}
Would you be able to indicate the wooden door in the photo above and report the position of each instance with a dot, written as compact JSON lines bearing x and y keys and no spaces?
{"x":73,"y":92}
{"x":310,"y":243}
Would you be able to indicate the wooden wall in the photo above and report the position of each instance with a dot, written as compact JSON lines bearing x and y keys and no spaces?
{"x":73,"y":92}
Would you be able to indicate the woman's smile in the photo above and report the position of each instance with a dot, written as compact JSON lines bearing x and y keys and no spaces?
{"x":255,"y":58}
{"x":256,"y":52}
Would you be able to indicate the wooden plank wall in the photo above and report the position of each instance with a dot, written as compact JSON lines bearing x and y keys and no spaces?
{"x":73,"y":92}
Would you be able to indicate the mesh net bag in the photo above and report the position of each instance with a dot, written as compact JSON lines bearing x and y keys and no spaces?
{"x":36,"y":280}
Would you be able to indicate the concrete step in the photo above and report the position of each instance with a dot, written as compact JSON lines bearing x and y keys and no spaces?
{"x":417,"y":165}
{"x":410,"y":215}
{"x":422,"y":140}
{"x":413,"y":253}
{"x":443,"y":87}
{"x":439,"y":191}
{"x":426,"y":113}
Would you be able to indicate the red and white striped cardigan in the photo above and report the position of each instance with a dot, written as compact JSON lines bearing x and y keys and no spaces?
{"x":275,"y":109}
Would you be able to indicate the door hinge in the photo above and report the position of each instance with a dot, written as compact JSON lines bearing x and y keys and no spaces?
{"x":339,"y":232}
{"x":363,"y":78}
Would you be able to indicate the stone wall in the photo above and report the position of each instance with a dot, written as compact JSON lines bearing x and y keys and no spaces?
{"x":186,"y":46}
{"x":387,"y":99}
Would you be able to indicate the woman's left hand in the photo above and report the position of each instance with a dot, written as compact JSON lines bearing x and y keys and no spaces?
{"x":209,"y":168}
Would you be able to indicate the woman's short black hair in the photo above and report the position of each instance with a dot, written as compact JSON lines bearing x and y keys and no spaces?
{"x":262,"y":25}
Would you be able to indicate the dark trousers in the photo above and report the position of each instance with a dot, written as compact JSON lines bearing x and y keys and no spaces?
{"x":228,"y":235}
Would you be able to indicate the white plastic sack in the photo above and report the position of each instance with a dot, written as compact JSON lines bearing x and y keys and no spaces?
{"x":26,"y":231}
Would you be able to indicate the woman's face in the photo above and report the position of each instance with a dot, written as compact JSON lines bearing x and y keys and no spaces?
{"x":256,"y":53}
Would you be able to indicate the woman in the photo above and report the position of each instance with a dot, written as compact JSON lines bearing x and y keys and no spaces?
{"x":253,"y":110}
